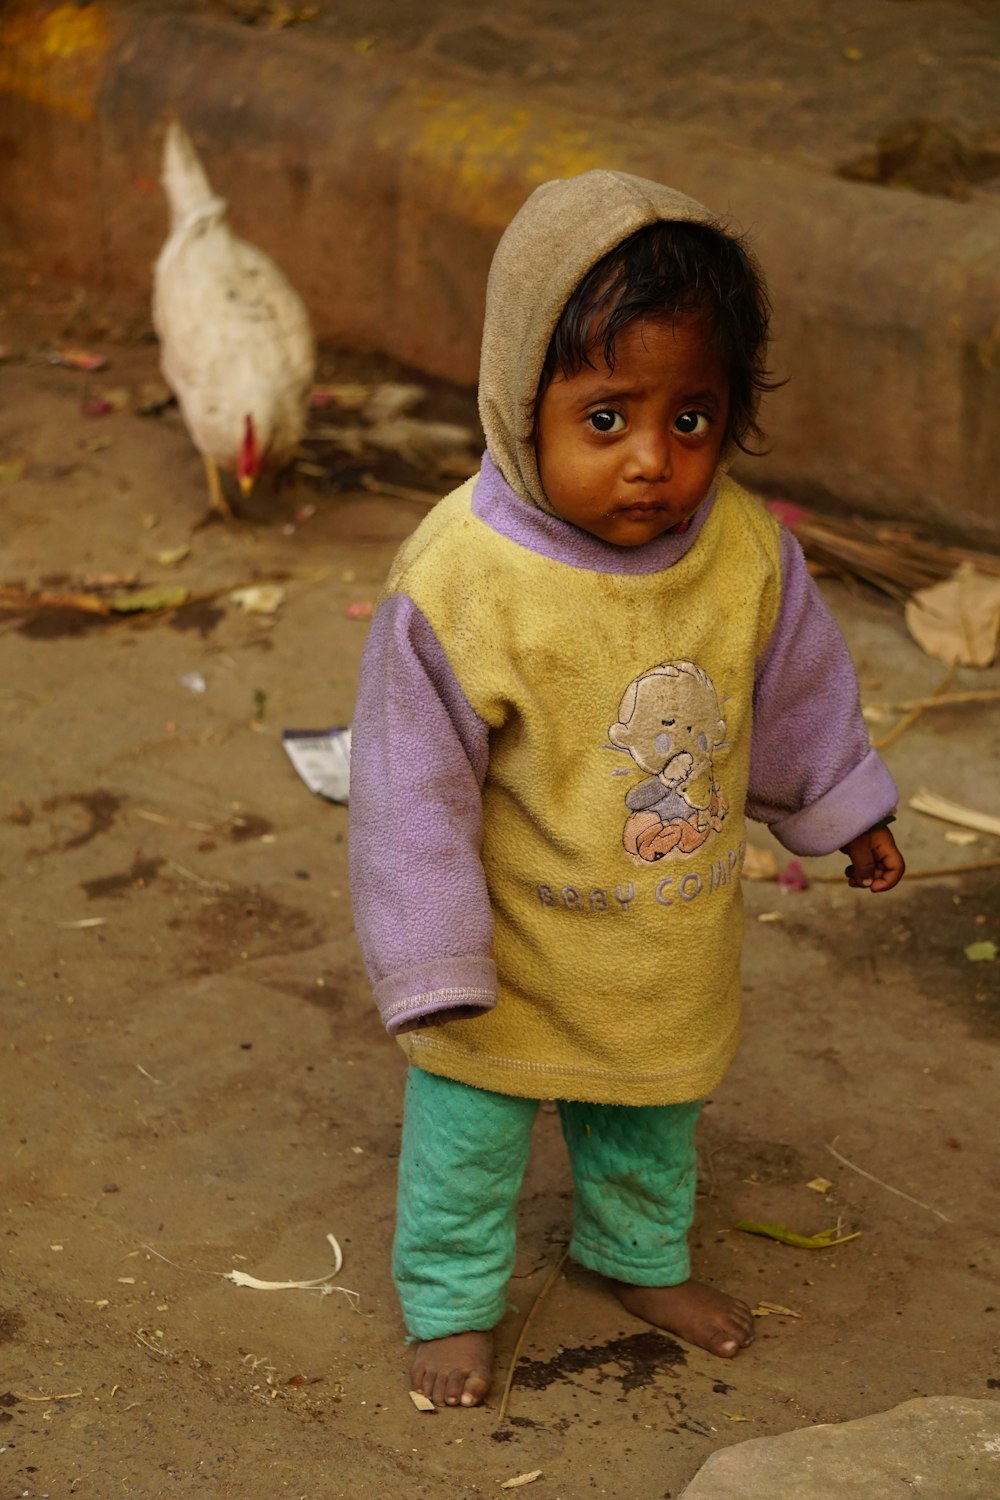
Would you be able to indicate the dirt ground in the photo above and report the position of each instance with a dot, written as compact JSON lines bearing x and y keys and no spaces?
{"x":195,"y":1080}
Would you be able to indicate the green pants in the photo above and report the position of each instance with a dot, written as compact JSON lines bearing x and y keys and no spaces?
{"x":460,"y":1170}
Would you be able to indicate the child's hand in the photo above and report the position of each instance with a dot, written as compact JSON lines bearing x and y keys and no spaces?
{"x":875,"y":860}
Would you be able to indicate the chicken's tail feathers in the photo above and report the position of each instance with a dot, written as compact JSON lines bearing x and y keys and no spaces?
{"x":189,"y":192}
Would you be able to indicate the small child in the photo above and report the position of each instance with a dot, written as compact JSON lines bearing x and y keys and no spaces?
{"x":589,"y":664}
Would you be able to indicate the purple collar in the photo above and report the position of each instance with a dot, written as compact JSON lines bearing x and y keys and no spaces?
{"x":496,"y":504}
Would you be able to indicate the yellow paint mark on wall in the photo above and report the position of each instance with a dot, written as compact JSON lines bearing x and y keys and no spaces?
{"x":54,"y":59}
{"x":484,"y":145}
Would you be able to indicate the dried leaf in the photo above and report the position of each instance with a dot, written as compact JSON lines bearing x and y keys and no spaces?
{"x":824,"y":1240}
{"x":519,"y":1479}
{"x":982,"y":953}
{"x":734,"y":1416}
{"x":171,"y":556}
{"x":958,"y":621}
{"x":820,"y":1184}
{"x":146,"y":601}
{"x":421,"y":1402}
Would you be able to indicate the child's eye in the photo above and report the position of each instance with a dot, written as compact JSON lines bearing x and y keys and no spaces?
{"x":606,"y":421}
{"x":692,"y":423}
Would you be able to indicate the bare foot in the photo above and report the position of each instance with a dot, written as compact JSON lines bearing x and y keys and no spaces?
{"x":713,"y":1320}
{"x":454,"y":1371}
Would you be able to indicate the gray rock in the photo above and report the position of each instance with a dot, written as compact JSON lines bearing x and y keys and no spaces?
{"x":940,"y":1447}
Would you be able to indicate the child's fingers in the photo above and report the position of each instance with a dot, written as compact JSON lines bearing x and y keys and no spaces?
{"x":861,"y":870}
{"x":890,"y":870}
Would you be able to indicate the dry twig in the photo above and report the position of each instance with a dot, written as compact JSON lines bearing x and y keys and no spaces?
{"x":887,"y":1185}
{"x":940,"y":874}
{"x":914,"y":713}
{"x":550,"y":1282}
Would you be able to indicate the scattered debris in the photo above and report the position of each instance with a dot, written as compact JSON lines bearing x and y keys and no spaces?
{"x":824,"y":1240}
{"x":361,"y":609}
{"x":820,"y":1184}
{"x":519,"y":1479}
{"x":771,"y":916}
{"x":85,"y":922}
{"x":953,"y":812}
{"x":890,"y":558}
{"x":963,"y":837}
{"x":983,"y":952}
{"x":322,"y":758}
{"x":78,"y":359}
{"x":171,"y":556}
{"x":375,"y":423}
{"x":793,"y":877}
{"x":64,"y":1396}
{"x":259,"y":598}
{"x":765,"y":1309}
{"x":421,"y":1402}
{"x":193,"y":681}
{"x":319,"y":1284}
{"x":16,"y":599}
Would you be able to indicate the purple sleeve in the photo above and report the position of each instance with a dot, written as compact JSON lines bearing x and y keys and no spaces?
{"x":813,"y":774}
{"x":418,"y":760}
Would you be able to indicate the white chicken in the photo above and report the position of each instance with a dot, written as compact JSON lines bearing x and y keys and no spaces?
{"x":237,"y":348}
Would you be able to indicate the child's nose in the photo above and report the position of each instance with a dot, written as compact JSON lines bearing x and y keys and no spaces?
{"x":649,"y":456}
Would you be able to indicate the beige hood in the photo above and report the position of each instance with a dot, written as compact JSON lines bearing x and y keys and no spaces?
{"x":563,"y":230}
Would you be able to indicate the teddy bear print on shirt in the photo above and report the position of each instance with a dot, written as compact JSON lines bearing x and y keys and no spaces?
{"x":670,"y":723}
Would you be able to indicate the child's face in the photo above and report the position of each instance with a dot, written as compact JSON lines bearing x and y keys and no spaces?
{"x":628,"y":453}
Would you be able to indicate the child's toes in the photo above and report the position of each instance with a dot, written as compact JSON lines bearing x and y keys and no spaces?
{"x":476,"y":1387}
{"x":454,"y":1386}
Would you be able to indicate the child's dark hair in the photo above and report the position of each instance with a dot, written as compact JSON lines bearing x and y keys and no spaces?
{"x":674,"y":269}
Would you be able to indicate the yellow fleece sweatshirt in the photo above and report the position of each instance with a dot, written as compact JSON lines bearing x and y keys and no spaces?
{"x":619,"y":708}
